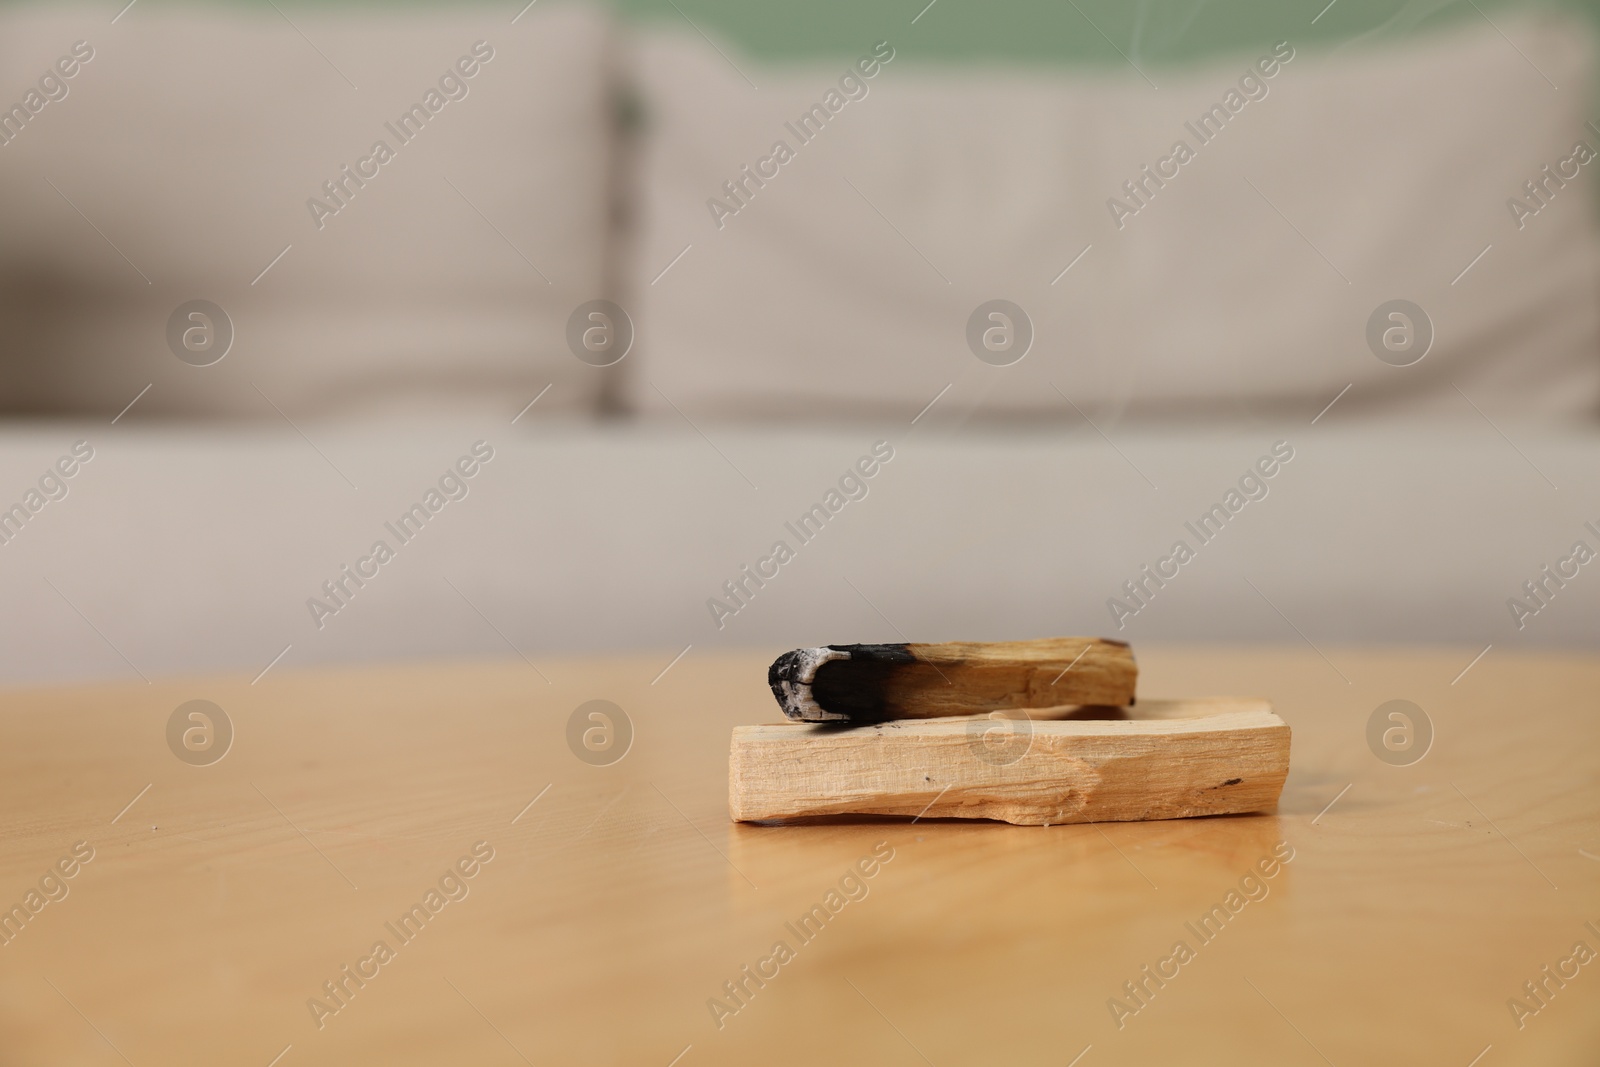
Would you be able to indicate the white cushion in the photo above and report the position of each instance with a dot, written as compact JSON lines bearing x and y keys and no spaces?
{"x":848,"y":279}
{"x":194,"y":139}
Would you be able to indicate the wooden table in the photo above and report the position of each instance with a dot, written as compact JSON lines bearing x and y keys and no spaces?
{"x":220,"y":900}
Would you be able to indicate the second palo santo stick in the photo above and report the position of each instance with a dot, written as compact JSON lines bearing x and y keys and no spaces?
{"x":872,"y":683}
{"x":1165,"y":759}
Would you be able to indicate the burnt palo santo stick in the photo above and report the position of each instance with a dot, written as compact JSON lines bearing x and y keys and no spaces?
{"x":871,"y":683}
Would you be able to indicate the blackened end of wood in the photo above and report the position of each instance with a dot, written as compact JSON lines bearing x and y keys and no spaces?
{"x":836,"y":683}
{"x":783,"y":677}
{"x":785,"y":670}
{"x":791,"y":676}
{"x":860,"y":686}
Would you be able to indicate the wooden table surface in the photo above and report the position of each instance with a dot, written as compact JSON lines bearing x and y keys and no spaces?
{"x":1418,"y":901}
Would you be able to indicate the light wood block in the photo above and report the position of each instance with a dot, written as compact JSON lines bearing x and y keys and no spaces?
{"x":1158,"y":760}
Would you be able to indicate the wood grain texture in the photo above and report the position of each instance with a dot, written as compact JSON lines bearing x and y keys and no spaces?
{"x":1159,"y":760}
{"x":873,"y":683}
{"x":624,"y":898}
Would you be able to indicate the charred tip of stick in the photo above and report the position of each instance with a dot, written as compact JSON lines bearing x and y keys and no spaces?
{"x":790,"y":678}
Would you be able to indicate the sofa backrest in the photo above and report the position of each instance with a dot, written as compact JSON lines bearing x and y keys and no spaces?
{"x":1407,"y":226}
{"x":394,"y":209}
{"x":1253,"y":237}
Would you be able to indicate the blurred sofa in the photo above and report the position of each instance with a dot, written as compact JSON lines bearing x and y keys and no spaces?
{"x":392,"y":314}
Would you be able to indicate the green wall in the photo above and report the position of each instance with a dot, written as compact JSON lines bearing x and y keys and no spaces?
{"x":1158,"y":32}
{"x":1032,"y":32}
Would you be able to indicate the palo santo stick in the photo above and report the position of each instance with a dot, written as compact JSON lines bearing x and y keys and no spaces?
{"x":1164,"y":760}
{"x":871,"y":683}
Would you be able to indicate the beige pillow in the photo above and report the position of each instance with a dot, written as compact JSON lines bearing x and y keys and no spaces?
{"x":197,"y":142}
{"x":1242,"y":283}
